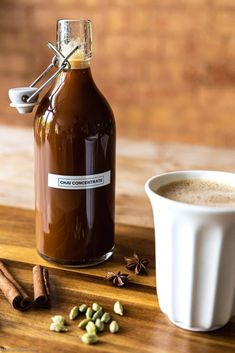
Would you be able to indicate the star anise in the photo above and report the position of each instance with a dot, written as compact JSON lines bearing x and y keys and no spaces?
{"x":137,"y":264}
{"x":118,"y":279}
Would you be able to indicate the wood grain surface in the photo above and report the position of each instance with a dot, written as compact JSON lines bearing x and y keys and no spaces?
{"x":137,"y":160}
{"x":144,"y":328}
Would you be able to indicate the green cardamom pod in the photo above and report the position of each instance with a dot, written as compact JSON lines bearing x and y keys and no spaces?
{"x":89,"y":338}
{"x":90,"y":327}
{"x":57,"y":327}
{"x":105,"y":317}
{"x":95,"y":307}
{"x":74,"y":312}
{"x":118,"y":308}
{"x":58,"y":319}
{"x":113,"y":327}
{"x":83,"y":323}
{"x":99,"y":325}
{"x":97,"y":314}
{"x":89,"y":313}
{"x":83,"y":308}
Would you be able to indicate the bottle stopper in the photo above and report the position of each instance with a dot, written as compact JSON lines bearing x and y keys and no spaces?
{"x":19,"y":96}
{"x":24,"y":99}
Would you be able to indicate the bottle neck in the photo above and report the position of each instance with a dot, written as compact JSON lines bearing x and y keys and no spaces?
{"x":75,"y":33}
{"x":77,"y":64}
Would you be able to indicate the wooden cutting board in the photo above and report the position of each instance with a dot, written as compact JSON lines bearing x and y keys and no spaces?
{"x":143,"y":328}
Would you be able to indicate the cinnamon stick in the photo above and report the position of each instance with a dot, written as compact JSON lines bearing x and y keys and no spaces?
{"x":12,"y":290}
{"x":41,"y":286}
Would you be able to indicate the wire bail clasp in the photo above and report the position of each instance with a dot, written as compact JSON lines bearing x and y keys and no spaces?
{"x":25,"y":98}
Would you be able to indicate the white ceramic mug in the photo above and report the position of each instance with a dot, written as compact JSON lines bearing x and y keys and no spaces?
{"x":195,"y":255}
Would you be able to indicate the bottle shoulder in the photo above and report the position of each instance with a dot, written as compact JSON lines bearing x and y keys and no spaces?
{"x":77,"y":106}
{"x":75,"y":99}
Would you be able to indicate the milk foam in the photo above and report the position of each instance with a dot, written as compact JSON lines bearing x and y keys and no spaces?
{"x":200,"y":192}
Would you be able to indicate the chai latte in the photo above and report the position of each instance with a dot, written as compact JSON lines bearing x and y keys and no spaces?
{"x":200,"y":192}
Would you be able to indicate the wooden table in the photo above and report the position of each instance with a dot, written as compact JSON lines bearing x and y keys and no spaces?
{"x":143,"y":327}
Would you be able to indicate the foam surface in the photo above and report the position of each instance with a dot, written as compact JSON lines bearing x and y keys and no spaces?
{"x":200,"y":192}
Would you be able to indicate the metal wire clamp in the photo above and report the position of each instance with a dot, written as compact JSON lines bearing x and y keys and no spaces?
{"x":58,"y":60}
{"x":25,"y":98}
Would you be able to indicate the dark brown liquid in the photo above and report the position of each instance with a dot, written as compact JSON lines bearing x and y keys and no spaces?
{"x":74,"y":133}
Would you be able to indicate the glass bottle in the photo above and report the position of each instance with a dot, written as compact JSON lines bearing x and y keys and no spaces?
{"x":74,"y":131}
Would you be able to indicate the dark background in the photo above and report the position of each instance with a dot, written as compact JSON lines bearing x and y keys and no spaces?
{"x":166,"y":66}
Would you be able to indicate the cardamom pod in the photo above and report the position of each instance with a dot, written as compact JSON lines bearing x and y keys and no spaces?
{"x":118,"y":308}
{"x":90,"y":327}
{"x":113,"y":327}
{"x":89,"y":313}
{"x":74,"y":312}
{"x":58,"y":319}
{"x":83,"y":308}
{"x":97,"y":314}
{"x":95,"y":307}
{"x":83,"y":323}
{"x":99,"y":325}
{"x":57,"y":327}
{"x":105,"y":317}
{"x":89,"y":338}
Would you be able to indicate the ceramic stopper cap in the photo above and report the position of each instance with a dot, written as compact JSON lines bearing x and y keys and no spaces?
{"x":18,"y":98}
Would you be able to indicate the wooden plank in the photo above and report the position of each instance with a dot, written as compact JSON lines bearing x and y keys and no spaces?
{"x":18,"y":243}
{"x":144,"y":328}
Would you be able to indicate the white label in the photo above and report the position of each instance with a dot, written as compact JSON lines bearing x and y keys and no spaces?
{"x":80,"y":182}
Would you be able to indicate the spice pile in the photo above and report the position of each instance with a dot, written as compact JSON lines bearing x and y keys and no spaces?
{"x":94,"y":321}
{"x":95,"y":317}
